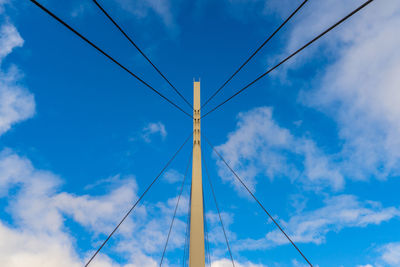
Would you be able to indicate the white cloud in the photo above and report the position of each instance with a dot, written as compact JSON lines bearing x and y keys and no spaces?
{"x":228,"y":263}
{"x":173,"y":176}
{"x":153,"y":128}
{"x":38,"y":189}
{"x":359,"y":87}
{"x":259,"y":146}
{"x":39,"y":235}
{"x":298,"y":264}
{"x":165,"y":9}
{"x":79,"y":10}
{"x":387,"y":255}
{"x":16,"y":102}
{"x":98,"y":213}
{"x":9,"y":39}
{"x":390,"y":254}
{"x":20,"y":248}
{"x":215,"y":233}
{"x":338,"y":212}
{"x":326,"y":13}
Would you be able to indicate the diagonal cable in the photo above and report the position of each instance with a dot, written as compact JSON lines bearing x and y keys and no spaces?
{"x":108,"y":56}
{"x":259,"y":203}
{"x":176,"y":208}
{"x":140,"y":51}
{"x":207,"y":243}
{"x":219,"y":213}
{"x":140,"y":198}
{"x":255,"y":52}
{"x":292,"y":55}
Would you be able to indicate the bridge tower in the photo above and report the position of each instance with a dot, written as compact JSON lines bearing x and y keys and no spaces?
{"x":196,"y":249}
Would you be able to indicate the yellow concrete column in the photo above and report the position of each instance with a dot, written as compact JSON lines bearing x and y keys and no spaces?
{"x":196,"y":250}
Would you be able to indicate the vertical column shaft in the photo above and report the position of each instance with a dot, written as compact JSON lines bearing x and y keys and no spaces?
{"x":196,"y":250}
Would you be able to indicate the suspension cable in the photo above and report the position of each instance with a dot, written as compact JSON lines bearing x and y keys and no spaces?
{"x":254,"y":53}
{"x":219,"y":213}
{"x":259,"y":203}
{"x":140,"y":51}
{"x":108,"y":56}
{"x":176,"y":208}
{"x":140,"y":198}
{"x":207,"y":244}
{"x":292,"y":55}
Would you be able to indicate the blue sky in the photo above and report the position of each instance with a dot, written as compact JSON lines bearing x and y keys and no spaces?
{"x":317,"y":140}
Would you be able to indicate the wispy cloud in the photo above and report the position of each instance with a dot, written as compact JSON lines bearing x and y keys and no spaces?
{"x":385,"y":255}
{"x":16,"y":102}
{"x":173,"y":176}
{"x":9,"y":40}
{"x":216,"y":235}
{"x":228,"y":263}
{"x":37,"y":232}
{"x":390,"y":254}
{"x":153,"y":128}
{"x":165,"y":10}
{"x":360,"y":92}
{"x":358,"y":87}
{"x":259,"y":146}
{"x":40,"y":234}
{"x":79,"y":10}
{"x":338,"y":212}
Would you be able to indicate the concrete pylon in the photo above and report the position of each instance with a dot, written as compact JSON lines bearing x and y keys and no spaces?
{"x":196,"y":249}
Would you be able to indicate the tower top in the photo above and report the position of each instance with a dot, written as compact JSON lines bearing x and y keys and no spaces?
{"x":196,"y":98}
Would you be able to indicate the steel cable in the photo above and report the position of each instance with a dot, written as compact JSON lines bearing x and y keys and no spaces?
{"x":108,"y":56}
{"x":140,"y":198}
{"x":176,"y":208}
{"x":140,"y":51}
{"x":292,"y":55}
{"x":259,"y":203}
{"x":219,"y":213}
{"x":254,"y":53}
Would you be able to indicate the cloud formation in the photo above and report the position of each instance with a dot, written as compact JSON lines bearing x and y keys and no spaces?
{"x":359,"y":90}
{"x":356,"y":84}
{"x":390,"y":254}
{"x":16,"y":102}
{"x":164,"y":9}
{"x":40,"y":234}
{"x":228,"y":263}
{"x":153,"y":128}
{"x":259,"y":146}
{"x":356,"y":87}
{"x":173,"y":176}
{"x":337,"y":213}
